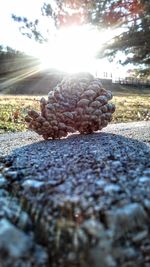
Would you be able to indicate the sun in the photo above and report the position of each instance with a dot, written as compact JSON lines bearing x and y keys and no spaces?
{"x":73,"y":49}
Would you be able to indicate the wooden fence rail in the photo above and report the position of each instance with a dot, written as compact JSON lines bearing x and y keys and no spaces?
{"x":132,"y":81}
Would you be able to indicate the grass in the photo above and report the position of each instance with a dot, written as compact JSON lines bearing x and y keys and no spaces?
{"x":14,"y":108}
{"x":131,"y":108}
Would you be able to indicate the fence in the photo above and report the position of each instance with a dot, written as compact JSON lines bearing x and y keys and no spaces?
{"x":108,"y":77}
{"x":132,"y":81}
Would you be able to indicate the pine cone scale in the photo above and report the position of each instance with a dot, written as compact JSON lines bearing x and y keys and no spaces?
{"x":78,"y":103}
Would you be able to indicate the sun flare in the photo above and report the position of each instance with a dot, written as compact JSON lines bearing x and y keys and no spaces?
{"x":73,"y":49}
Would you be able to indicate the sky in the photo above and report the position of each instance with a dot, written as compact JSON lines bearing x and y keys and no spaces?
{"x":70,"y":51}
{"x":9,"y":30}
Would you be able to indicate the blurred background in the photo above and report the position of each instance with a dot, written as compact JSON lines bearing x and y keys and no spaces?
{"x":42,"y":41}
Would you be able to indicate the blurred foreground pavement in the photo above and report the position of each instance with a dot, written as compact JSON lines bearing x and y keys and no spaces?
{"x":77,"y":201}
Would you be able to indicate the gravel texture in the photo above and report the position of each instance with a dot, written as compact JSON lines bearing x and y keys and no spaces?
{"x":76,"y":202}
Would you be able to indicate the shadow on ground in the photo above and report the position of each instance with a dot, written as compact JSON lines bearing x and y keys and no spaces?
{"x":88,"y":199}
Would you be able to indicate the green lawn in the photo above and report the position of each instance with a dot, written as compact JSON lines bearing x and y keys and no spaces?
{"x":14,"y":108}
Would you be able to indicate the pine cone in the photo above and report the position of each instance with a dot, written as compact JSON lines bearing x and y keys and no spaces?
{"x":78,"y":103}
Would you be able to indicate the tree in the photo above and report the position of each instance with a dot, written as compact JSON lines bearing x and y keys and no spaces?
{"x":12,"y":60}
{"x":134,"y":41}
{"x":132,"y":16}
{"x":63,"y":14}
{"x":7,"y":52}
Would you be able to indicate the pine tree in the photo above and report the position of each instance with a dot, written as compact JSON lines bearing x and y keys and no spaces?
{"x":132,"y":16}
{"x":134,"y":41}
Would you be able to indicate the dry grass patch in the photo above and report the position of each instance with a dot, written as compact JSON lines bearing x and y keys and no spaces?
{"x":131,"y":108}
{"x":14,"y":108}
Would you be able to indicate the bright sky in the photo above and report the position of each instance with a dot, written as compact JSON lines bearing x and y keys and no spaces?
{"x":9,"y":30}
{"x":72,"y":50}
